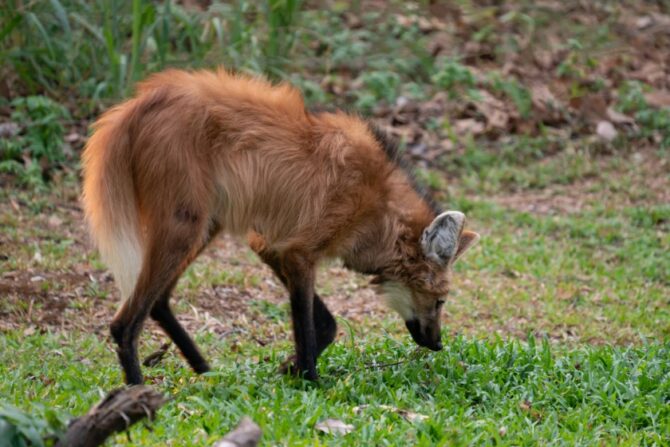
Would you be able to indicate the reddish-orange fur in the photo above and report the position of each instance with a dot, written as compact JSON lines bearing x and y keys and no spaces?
{"x":195,"y":153}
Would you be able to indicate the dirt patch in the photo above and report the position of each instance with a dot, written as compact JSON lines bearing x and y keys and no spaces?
{"x":76,"y":295}
{"x":649,"y":184}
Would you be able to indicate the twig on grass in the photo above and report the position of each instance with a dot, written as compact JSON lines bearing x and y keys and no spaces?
{"x":375,"y":365}
{"x":154,"y":358}
{"x":120,"y":409}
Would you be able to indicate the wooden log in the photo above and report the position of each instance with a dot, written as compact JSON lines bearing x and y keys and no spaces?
{"x":120,"y":409}
{"x":246,"y":434}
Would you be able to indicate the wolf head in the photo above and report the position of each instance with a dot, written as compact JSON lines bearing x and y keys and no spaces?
{"x":416,"y":282}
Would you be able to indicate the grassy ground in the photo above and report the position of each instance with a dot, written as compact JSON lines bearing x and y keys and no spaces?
{"x":473,"y":393}
{"x":557,"y":331}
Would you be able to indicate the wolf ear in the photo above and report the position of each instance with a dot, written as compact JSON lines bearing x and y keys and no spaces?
{"x":467,"y":240}
{"x":444,"y":240}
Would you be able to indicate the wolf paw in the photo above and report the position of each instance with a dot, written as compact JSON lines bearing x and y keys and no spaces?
{"x":290,"y":367}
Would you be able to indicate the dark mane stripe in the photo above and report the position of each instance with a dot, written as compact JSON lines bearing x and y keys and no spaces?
{"x":395,"y":156}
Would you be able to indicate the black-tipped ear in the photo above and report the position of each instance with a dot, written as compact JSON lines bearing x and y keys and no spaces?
{"x":440,"y":240}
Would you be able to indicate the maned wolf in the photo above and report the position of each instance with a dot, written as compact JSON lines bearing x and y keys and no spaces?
{"x":197,"y":153}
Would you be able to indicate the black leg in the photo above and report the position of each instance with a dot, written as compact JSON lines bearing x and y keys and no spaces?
{"x":125,"y":335}
{"x":171,"y":247}
{"x":299,"y":273}
{"x":304,"y":334}
{"x":324,"y":322}
{"x":326,"y":330}
{"x":162,"y":313}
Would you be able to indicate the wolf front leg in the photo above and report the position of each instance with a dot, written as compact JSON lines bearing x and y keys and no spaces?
{"x":324,"y":322}
{"x":299,"y":271}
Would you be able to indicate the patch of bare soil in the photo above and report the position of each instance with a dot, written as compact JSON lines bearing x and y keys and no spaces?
{"x":75,"y":295}
{"x":650,"y":185}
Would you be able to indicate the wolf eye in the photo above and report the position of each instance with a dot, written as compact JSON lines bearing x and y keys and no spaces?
{"x":439,"y":303}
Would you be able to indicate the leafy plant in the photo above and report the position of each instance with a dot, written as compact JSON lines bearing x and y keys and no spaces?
{"x":100,"y":48}
{"x":377,"y":86}
{"x":312,"y":91}
{"x":654,"y":123}
{"x":19,"y":429}
{"x":454,"y":78}
{"x":519,"y":95}
{"x":42,"y":120}
{"x":281,"y":16}
{"x":631,"y":97}
{"x":39,"y":146}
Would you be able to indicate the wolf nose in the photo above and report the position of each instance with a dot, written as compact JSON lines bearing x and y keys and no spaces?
{"x":438,"y":346}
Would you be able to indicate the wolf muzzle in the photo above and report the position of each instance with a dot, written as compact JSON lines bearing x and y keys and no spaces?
{"x":431,"y":340}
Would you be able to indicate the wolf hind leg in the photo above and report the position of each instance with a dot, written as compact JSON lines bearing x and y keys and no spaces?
{"x":169,"y":249}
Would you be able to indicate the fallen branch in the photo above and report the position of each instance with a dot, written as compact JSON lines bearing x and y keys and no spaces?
{"x":247,"y":434}
{"x":155,"y":358}
{"x":120,"y":409}
{"x":375,"y":365}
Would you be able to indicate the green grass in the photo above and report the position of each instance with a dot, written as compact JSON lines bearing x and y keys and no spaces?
{"x":99,"y":49}
{"x":597,"y":276}
{"x":473,"y":393}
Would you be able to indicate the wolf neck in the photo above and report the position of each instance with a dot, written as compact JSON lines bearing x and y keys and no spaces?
{"x":401,"y":221}
{"x":384,"y":203}
{"x":408,"y":211}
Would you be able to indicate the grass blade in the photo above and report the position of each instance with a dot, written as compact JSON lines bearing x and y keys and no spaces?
{"x":136,"y":39}
{"x":9,"y":26}
{"x":61,"y":15}
{"x":95,"y":31}
{"x":32,"y":18}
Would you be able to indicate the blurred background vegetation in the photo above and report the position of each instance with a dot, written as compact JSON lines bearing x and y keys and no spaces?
{"x":440,"y":75}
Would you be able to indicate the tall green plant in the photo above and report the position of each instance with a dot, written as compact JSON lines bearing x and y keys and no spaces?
{"x":281,"y":18}
{"x":98,"y":49}
{"x":38,"y":146}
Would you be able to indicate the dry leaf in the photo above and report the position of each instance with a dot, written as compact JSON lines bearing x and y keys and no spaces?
{"x":606,"y":131}
{"x":542,"y":97}
{"x":439,"y":42}
{"x":9,"y":130}
{"x":543,"y":58}
{"x":54,"y":221}
{"x":619,"y":118}
{"x":643,"y":22}
{"x":658,"y":98}
{"x":493,"y":109}
{"x":592,"y":107}
{"x":334,"y":427}
{"x":72,"y":137}
{"x":469,"y":126}
{"x":548,"y":108}
{"x":651,"y":73}
{"x":411,"y":416}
